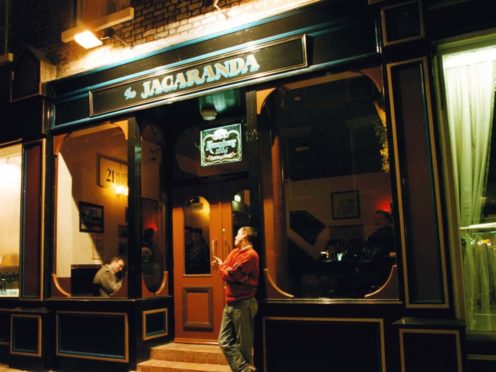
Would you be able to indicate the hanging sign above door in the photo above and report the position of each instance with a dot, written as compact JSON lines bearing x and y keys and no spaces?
{"x":242,"y":65}
{"x":221,"y":145}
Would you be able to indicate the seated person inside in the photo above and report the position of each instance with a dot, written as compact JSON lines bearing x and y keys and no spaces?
{"x":107,"y":279}
{"x":374,"y":261}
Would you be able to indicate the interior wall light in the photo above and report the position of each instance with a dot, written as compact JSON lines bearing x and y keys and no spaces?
{"x":121,"y":190}
{"x":87,"y":39}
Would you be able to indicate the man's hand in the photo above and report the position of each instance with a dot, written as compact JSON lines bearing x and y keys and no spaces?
{"x":216,"y":262}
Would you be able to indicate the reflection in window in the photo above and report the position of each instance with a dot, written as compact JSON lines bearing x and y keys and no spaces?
{"x":152,"y":209}
{"x":91,"y":203}
{"x":329,"y":226}
{"x":196,"y":236}
{"x":10,"y":200}
{"x":240,"y":207}
{"x":469,"y":79}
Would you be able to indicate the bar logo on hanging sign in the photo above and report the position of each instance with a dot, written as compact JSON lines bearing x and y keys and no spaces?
{"x":249,"y":63}
{"x":221,"y":145}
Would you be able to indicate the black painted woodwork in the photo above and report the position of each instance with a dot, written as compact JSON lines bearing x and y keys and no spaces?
{"x":25,"y":332}
{"x":424,"y":233}
{"x":337,"y":32}
{"x":316,"y":345}
{"x":93,"y":335}
{"x":156,"y":324}
{"x":31,"y":205}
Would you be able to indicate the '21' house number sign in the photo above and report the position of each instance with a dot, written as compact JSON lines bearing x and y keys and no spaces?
{"x":113,"y":173}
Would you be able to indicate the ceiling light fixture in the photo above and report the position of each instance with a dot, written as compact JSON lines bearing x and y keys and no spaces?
{"x":208,"y":114}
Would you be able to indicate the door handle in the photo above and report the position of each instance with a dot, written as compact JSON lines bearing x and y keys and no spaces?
{"x":213,"y":247}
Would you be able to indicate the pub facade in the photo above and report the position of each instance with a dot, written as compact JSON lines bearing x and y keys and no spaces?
{"x":355,"y":136}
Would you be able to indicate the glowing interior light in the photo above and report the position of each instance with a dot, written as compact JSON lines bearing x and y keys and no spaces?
{"x":87,"y":39}
{"x":121,"y":190}
{"x":237,"y":198}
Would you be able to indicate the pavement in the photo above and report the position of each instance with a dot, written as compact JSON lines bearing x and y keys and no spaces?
{"x":4,"y":368}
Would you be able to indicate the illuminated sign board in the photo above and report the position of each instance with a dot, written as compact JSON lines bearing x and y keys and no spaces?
{"x":245,"y":64}
{"x":221,"y":145}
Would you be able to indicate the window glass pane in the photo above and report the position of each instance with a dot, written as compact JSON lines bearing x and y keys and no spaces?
{"x":331,"y":208}
{"x":469,"y":79}
{"x":91,"y":206}
{"x":152,"y":208}
{"x":10,"y":219}
{"x":89,"y":10}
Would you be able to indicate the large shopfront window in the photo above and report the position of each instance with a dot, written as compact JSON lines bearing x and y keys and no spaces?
{"x":10,"y":219}
{"x":91,"y":206}
{"x":328,"y":204}
{"x":469,"y":81}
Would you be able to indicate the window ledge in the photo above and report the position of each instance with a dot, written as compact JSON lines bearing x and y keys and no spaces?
{"x":6,"y":58}
{"x":109,"y":20}
{"x":480,"y":226}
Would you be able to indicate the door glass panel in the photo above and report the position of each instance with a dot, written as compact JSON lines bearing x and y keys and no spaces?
{"x":196,"y":236}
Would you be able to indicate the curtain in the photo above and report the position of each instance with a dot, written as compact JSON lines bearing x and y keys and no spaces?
{"x":469,"y":81}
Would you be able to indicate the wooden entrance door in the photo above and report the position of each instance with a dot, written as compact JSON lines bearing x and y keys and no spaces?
{"x":204,"y":217}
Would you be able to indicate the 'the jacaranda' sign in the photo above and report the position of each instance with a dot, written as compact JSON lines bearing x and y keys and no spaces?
{"x":249,"y":63}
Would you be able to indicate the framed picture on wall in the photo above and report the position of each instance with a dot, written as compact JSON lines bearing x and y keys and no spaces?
{"x":345,"y":204}
{"x":97,"y":249}
{"x":90,"y":217}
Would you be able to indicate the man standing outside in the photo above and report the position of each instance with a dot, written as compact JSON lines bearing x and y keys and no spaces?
{"x":239,"y":272}
{"x":106,"y":278}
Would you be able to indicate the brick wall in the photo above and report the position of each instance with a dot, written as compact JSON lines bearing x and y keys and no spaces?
{"x":156,"y":25}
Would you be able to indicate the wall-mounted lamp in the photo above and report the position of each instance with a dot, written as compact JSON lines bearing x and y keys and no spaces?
{"x":86,"y":32}
{"x":87,"y":39}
